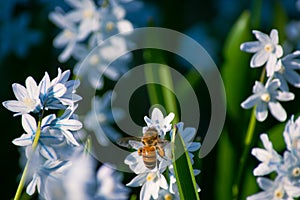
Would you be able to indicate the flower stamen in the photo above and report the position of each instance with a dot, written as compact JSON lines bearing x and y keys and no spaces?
{"x":278,"y":193}
{"x":150,"y":177}
{"x":110,"y":26}
{"x":94,"y":59}
{"x":265,"y":97}
{"x":296,"y":172}
{"x":268,"y":48}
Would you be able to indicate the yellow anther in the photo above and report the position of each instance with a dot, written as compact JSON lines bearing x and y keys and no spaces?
{"x":265,"y":97}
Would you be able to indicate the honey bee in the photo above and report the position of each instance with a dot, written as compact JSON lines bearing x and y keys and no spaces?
{"x":147,"y":146}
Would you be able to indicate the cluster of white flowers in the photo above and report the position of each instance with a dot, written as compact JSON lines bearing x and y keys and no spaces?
{"x":54,"y":133}
{"x":280,"y":72}
{"x":84,"y":27}
{"x":153,"y":182}
{"x":287,"y":167}
{"x":51,"y":146}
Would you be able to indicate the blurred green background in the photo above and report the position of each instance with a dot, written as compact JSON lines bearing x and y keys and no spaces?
{"x":219,"y":26}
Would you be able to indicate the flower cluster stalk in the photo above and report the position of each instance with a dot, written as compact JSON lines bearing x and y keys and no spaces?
{"x":25,"y":171}
{"x":238,"y":184}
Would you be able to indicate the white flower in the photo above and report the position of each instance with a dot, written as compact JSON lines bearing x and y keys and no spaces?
{"x":60,"y":92}
{"x":292,"y":134}
{"x":104,"y":60}
{"x":287,"y":71}
{"x":267,"y":97}
{"x":67,"y":38}
{"x":279,"y":189}
{"x":85,"y":13}
{"x":27,"y":98}
{"x":158,"y":121}
{"x":269,"y":157}
{"x":151,"y":183}
{"x":266,"y":50}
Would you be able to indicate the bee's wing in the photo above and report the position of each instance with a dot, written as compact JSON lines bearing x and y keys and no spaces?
{"x":130,"y":142}
{"x":135,"y":144}
{"x":163,"y":143}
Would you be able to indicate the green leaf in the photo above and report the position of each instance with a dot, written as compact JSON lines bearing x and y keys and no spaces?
{"x":236,"y":69}
{"x":276,"y":136}
{"x":226,"y":156}
{"x":250,"y":186}
{"x":280,"y":20}
{"x":183,"y":169}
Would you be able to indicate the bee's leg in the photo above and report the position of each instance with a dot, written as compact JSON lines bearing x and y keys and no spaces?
{"x":161,"y":151}
{"x":140,"y":150}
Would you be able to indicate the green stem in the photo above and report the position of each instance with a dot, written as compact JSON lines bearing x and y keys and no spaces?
{"x":25,"y":171}
{"x":169,"y":98}
{"x":149,"y":76}
{"x":238,"y":184}
{"x":247,"y":143}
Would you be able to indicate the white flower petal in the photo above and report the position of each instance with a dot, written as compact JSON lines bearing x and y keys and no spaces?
{"x":32,"y":185}
{"x":285,"y":96}
{"x":262,"y":37}
{"x":29,"y":124}
{"x":145,"y":193}
{"x":32,"y":88}
{"x":45,"y":83}
{"x":194,"y":146}
{"x":274,"y":36}
{"x":278,"y":51}
{"x":138,"y":180}
{"x":261,"y":111}
{"x":69,"y":124}
{"x":48,"y":152}
{"x":19,"y":91}
{"x":59,"y":90}
{"x":15,"y":106}
{"x":262,"y":169}
{"x":258,"y":87}
{"x":251,"y":47}
{"x":188,"y":134}
{"x":69,"y":136}
{"x":124,"y":26}
{"x":24,"y":140}
{"x":271,"y":64}
{"x":277,"y":111}
{"x":157,"y":116}
{"x":264,"y":183}
{"x":272,"y":84}
{"x":250,"y":101}
{"x":163,"y":182}
{"x":259,"y":58}
{"x":261,"y":154}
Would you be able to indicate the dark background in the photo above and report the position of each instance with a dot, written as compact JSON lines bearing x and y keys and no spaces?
{"x":206,"y":21}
